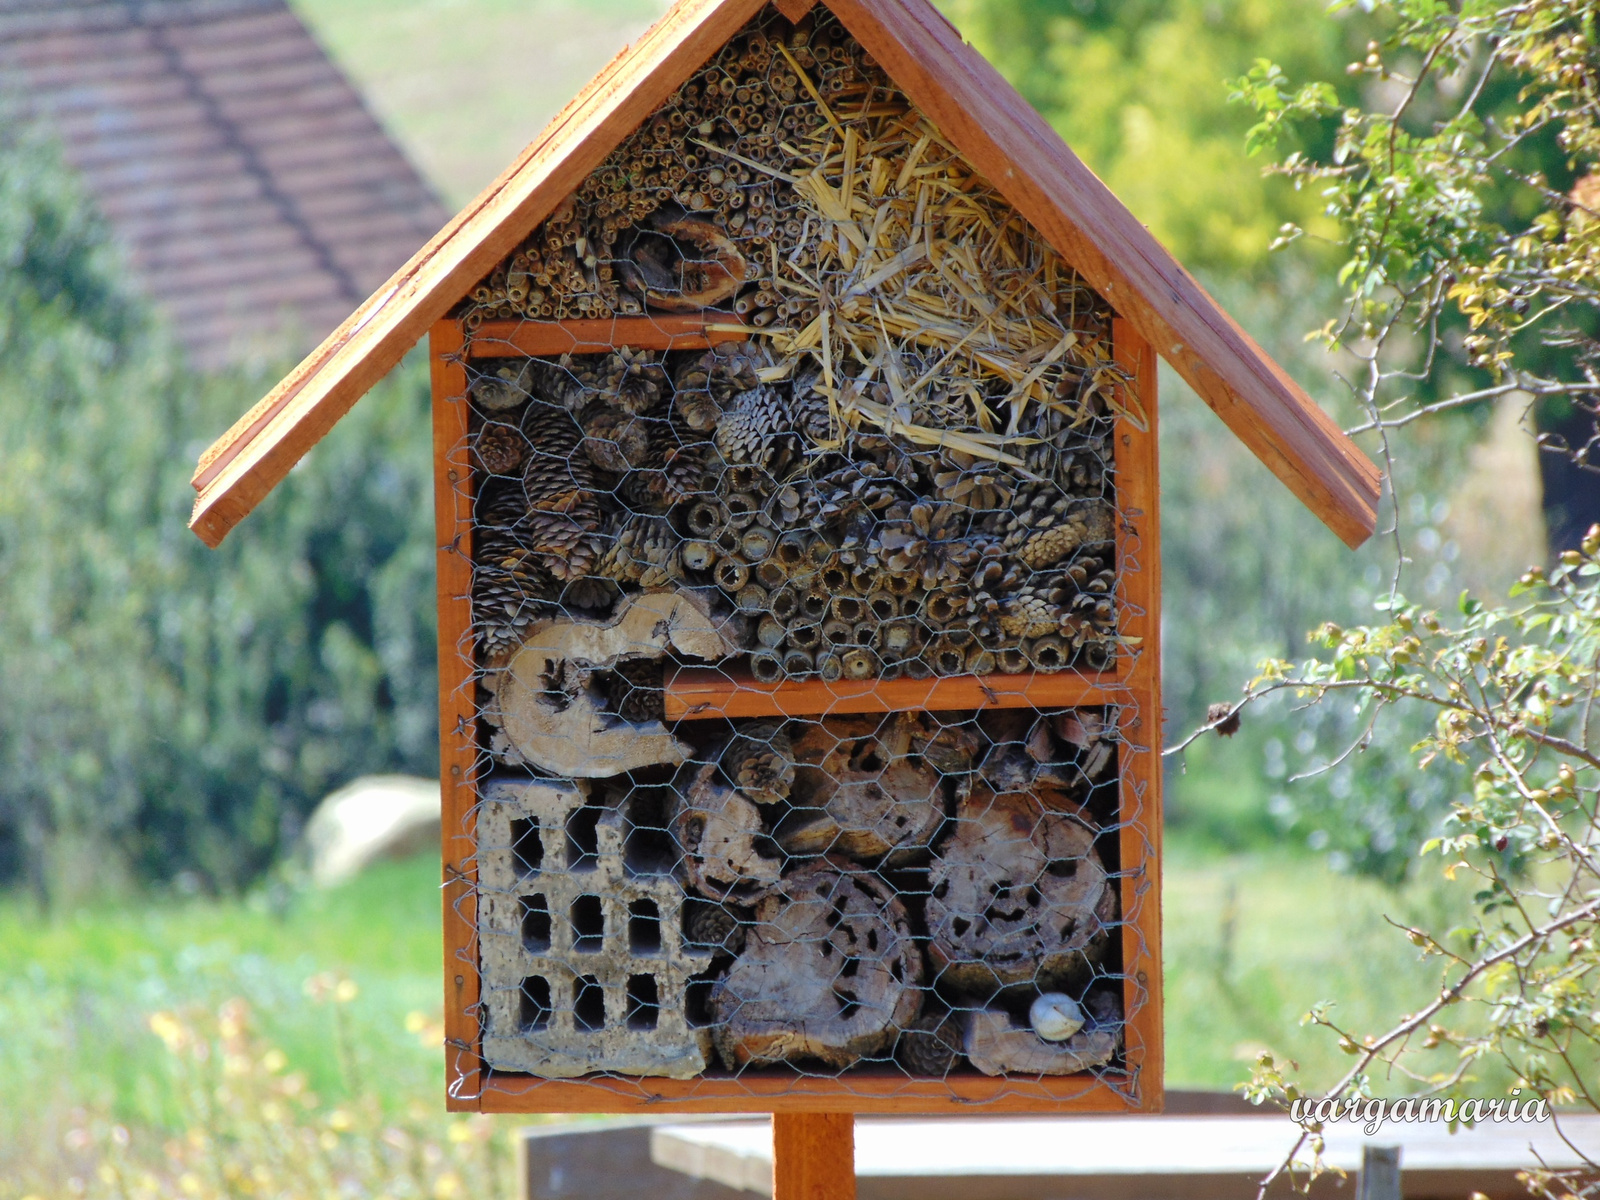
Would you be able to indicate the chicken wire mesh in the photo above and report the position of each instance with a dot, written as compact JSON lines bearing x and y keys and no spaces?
{"x":895,"y":461}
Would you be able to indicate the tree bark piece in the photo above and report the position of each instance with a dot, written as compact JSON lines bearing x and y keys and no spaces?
{"x":874,"y":786}
{"x":725,"y":852}
{"x":997,"y":1045}
{"x":1019,"y":896}
{"x":829,"y":972}
{"x":552,"y":713}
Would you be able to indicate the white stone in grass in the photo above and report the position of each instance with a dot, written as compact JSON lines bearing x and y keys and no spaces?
{"x":371,"y":818}
{"x":1055,"y":1017}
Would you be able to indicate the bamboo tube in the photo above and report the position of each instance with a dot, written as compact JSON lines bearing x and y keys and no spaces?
{"x":838,"y":633}
{"x":798,"y":662}
{"x":766,"y":667}
{"x":752,"y":598}
{"x":830,"y":668}
{"x":815,"y":604}
{"x":771,"y":576}
{"x":771,"y":632}
{"x":1049,"y":653}
{"x":785,"y":604}
{"x":791,"y":549}
{"x":732,"y":575}
{"x":698,"y":556}
{"x":758,"y":542}
{"x":849,"y":609}
{"x":882,"y":605}
{"x":705,"y":518}
{"x":1011,"y":660}
{"x":859,"y":663}
{"x":805,"y":637}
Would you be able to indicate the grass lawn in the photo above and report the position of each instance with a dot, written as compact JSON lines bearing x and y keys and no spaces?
{"x":1252,"y":940}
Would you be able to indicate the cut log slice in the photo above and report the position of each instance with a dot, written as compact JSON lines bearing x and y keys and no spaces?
{"x":552,"y":713}
{"x":829,"y":973}
{"x":1018,"y":896}
{"x":724,"y":850}
{"x":875,"y":787}
{"x":997,"y":1043}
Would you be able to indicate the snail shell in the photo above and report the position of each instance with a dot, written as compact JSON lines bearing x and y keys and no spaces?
{"x":1055,"y":1017}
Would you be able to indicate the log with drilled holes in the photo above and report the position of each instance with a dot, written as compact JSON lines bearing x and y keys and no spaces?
{"x":724,"y":849}
{"x":874,"y":786}
{"x":829,"y":973}
{"x":1019,"y":896}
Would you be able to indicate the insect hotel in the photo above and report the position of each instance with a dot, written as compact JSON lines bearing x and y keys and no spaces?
{"x":795,"y":417}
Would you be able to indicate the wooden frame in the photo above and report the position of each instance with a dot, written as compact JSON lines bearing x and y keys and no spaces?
{"x":1133,"y":687}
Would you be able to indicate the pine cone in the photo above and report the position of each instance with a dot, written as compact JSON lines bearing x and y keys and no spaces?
{"x":812,"y":420}
{"x":1029,"y":614}
{"x":613,"y":440}
{"x":754,"y":429}
{"x":1090,"y":524}
{"x":643,"y":552}
{"x":714,"y":926}
{"x":500,"y":449}
{"x":760,"y":762}
{"x":635,"y":692}
{"x":706,"y":385}
{"x":672,"y":473}
{"x":632,"y":380}
{"x":573,"y":382}
{"x":555,"y":477}
{"x":932,"y":1045}
{"x":502,"y":387}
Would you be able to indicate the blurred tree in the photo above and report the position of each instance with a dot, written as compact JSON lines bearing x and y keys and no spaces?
{"x":1135,"y":86}
{"x":164,"y":709}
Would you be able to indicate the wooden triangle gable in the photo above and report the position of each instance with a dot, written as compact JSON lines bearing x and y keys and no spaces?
{"x":976,"y":110}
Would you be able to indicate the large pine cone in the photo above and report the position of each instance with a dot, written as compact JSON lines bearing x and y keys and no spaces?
{"x":760,"y":762}
{"x":632,"y":380}
{"x":755,"y":428}
{"x":614,"y":440}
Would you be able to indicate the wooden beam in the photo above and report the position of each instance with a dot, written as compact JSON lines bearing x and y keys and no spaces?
{"x":458,"y":757}
{"x":813,"y":1156}
{"x":1014,"y":147}
{"x":663,"y":331}
{"x":698,"y":693}
{"x":882,"y":1090}
{"x":794,"y":9}
{"x":1139,"y":757}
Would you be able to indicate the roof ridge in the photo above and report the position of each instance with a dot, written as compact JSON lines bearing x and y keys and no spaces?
{"x":981,"y":115}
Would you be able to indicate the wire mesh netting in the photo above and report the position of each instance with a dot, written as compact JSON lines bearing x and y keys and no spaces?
{"x":893,"y":462}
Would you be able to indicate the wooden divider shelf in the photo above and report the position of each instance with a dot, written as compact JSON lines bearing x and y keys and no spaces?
{"x":696,"y":693}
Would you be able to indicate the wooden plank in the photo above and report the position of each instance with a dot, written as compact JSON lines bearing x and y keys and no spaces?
{"x":664,"y":331}
{"x":253,"y":457}
{"x":1139,"y":807}
{"x":813,"y":1156}
{"x":884,"y":1092}
{"x":1002,"y":135}
{"x":452,"y":506}
{"x":794,"y":9}
{"x":698,"y":693}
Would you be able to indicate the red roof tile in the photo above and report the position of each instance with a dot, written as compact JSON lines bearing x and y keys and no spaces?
{"x":257,"y":198}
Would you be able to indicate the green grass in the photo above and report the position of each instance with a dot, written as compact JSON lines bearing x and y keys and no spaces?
{"x":1251,"y":941}
{"x":464,"y":85}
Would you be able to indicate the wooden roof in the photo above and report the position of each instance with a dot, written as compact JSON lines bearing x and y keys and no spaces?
{"x":974,"y":108}
{"x":256,"y":198}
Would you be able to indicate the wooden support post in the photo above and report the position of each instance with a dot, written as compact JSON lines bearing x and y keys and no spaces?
{"x":813,"y":1156}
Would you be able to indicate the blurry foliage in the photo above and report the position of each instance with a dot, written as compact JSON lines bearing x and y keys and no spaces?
{"x":1467,"y":195}
{"x":1136,"y":88}
{"x":165,"y":708}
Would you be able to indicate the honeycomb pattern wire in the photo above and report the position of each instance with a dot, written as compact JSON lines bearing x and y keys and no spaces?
{"x":905,"y":470}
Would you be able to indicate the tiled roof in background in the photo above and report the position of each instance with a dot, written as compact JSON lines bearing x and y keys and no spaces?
{"x":258,"y":200}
